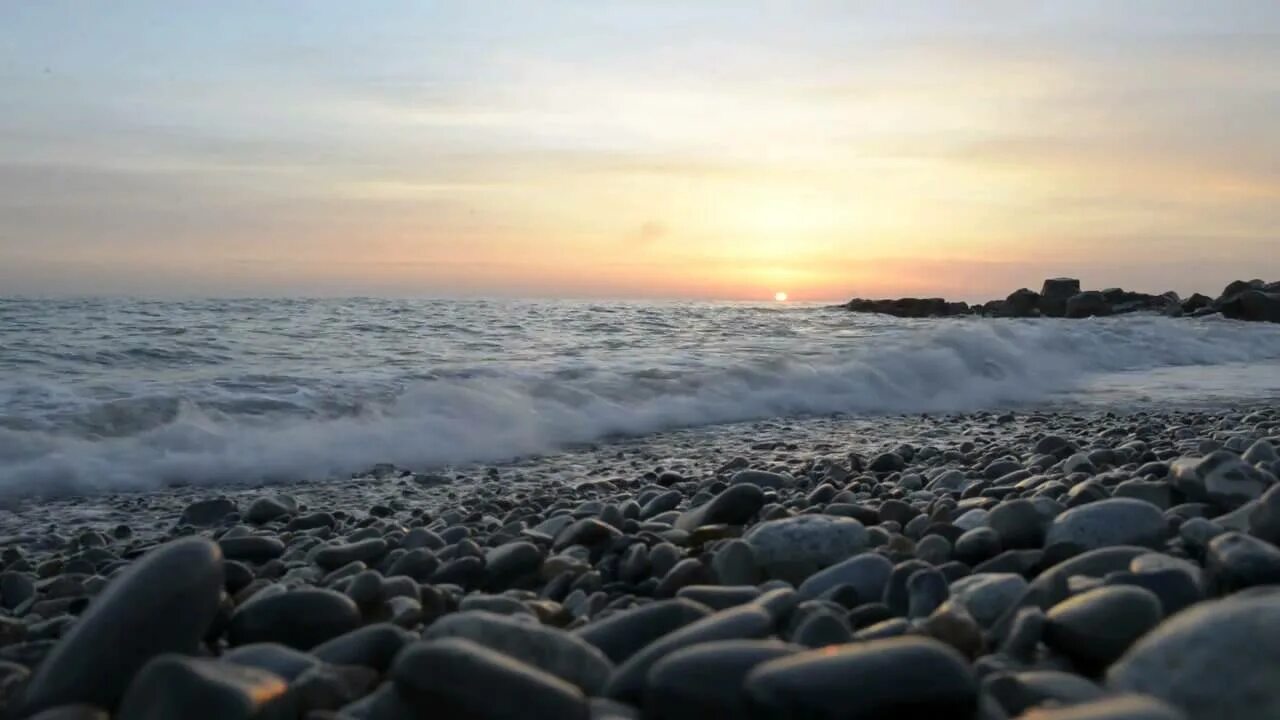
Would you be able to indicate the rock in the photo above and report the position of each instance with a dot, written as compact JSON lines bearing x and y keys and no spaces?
{"x":926,"y":590}
{"x":794,"y":548}
{"x":1264,"y":518}
{"x":329,"y":687}
{"x":620,"y":636}
{"x":15,"y":589}
{"x":1088,"y":304}
{"x":952,"y":624}
{"x":251,"y":548}
{"x":206,"y":513}
{"x":1054,"y":295}
{"x":988,"y":596}
{"x":706,"y":680}
{"x":272,"y":657}
{"x":332,"y":557}
{"x":741,"y":623}
{"x":761,"y":478}
{"x":1096,"y":627}
{"x":557,"y":652}
{"x":886,"y":463}
{"x":821,"y":628}
{"x":164,"y":602}
{"x":1022,"y":303}
{"x":897,"y":677}
{"x":1018,"y":523}
{"x":908,"y":307}
{"x":720,"y":597}
{"x":456,"y":678}
{"x":1116,"y":521}
{"x":1261,"y":451}
{"x":300,"y":619}
{"x":1221,"y":478}
{"x":372,"y":646}
{"x":418,"y":563}
{"x":1018,"y":692}
{"x":736,"y":505}
{"x":173,"y":686}
{"x":734,"y":563}
{"x":1156,"y":492}
{"x":1217,"y":660}
{"x":1235,"y":561}
{"x":509,"y":564}
{"x":867,"y":574}
{"x":264,"y":510}
{"x":1252,"y":305}
{"x":587,"y":532}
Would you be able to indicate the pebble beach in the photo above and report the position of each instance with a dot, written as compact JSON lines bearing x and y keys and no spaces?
{"x":1048,"y":565}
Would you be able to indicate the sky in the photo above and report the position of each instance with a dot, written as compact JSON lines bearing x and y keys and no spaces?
{"x":660,"y":149}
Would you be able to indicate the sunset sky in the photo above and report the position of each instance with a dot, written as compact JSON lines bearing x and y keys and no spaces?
{"x":697,"y":149}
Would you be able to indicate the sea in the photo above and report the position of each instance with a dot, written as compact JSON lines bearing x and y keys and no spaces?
{"x":100,"y":395}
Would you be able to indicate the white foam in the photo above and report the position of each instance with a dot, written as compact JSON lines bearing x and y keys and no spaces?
{"x":924,"y":367}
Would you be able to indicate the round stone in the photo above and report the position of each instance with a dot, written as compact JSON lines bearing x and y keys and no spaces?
{"x":895,"y":677}
{"x":300,"y":619}
{"x":794,"y":548}
{"x":1105,"y":523}
{"x":457,"y":678}
{"x":163,"y":603}
{"x":1096,"y":627}
{"x":706,"y":680}
{"x":551,"y":650}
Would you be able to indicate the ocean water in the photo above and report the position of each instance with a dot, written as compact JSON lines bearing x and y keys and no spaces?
{"x":133,"y":394}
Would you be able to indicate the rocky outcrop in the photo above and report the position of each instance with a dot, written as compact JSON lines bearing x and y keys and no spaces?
{"x":1252,"y":300}
{"x":909,"y":307}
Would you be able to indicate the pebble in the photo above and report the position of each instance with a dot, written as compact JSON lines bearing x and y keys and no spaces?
{"x":1096,"y":627}
{"x":173,"y":686}
{"x":794,"y":548}
{"x":554,"y":651}
{"x":1235,"y":561}
{"x":206,"y":513}
{"x":1221,"y":478}
{"x":867,"y":574}
{"x":300,"y":619}
{"x":1107,"y":523}
{"x":705,"y":680}
{"x":1219,"y":659}
{"x":620,"y":636}
{"x":741,"y":623}
{"x":896,"y":677}
{"x":164,"y":602}
{"x":457,"y":678}
{"x":734,"y":506}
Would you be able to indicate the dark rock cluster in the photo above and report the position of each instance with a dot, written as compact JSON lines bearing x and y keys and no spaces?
{"x":1252,"y":300}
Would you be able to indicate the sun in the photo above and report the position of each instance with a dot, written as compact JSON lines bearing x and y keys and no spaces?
{"x":780,"y":296}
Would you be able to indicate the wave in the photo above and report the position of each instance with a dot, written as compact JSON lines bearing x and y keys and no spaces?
{"x":500,"y":413}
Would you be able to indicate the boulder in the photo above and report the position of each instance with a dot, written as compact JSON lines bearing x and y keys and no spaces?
{"x":1252,"y":305}
{"x":1055,"y":293}
{"x":1022,"y":303}
{"x":1088,"y":304}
